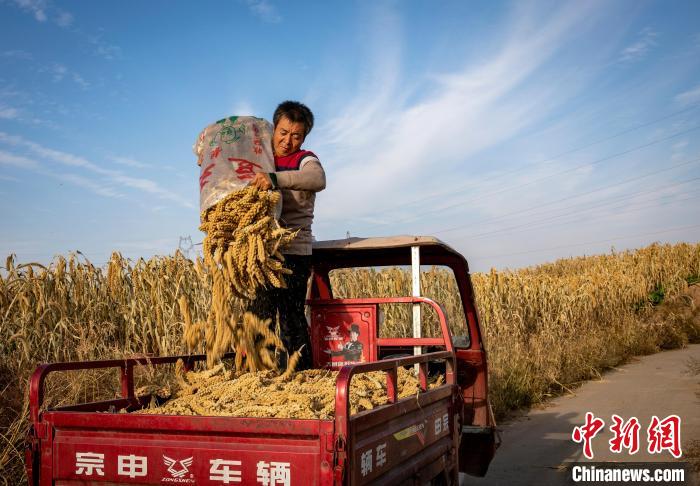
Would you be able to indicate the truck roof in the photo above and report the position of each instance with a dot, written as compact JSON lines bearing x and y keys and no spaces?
{"x":430,"y":246}
{"x":357,"y":243}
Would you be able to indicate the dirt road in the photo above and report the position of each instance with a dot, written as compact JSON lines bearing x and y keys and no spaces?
{"x":538,"y":443}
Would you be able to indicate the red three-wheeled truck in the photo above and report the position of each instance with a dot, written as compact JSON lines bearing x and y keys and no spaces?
{"x":428,"y":438}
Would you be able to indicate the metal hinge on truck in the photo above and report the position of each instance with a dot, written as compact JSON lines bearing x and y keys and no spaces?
{"x":340,"y":458}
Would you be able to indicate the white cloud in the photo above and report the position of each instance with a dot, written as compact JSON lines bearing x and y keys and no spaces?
{"x":149,"y":186}
{"x":441,"y":160}
{"x":91,"y":185}
{"x":8,"y":113}
{"x":130,"y":162}
{"x":694,"y":44}
{"x":43,"y":9}
{"x":264,"y":10}
{"x":78,"y":79}
{"x":242,"y":108}
{"x":377,"y":98}
{"x":637,"y":50}
{"x":111,"y":176}
{"x":34,"y":166}
{"x":408,"y":144}
{"x":105,"y":50}
{"x":7,"y":158}
{"x":17,"y":54}
{"x":678,"y":150}
{"x":689,"y":97}
{"x":58,"y":71}
{"x":35,"y":7}
{"x":64,"y":19}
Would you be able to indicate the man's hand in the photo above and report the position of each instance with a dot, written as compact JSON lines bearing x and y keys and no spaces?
{"x":261,"y":181}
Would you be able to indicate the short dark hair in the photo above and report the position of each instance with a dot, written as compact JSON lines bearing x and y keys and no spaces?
{"x":296,"y":112}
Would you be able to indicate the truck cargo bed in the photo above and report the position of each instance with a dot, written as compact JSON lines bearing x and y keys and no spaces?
{"x":96,"y":444}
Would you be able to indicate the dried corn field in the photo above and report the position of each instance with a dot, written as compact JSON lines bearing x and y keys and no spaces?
{"x":547,"y":327}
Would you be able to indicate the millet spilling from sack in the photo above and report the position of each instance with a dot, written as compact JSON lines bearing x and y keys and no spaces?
{"x":242,"y":252}
{"x":241,"y":246}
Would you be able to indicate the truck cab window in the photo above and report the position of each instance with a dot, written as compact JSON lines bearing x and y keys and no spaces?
{"x":438,"y":283}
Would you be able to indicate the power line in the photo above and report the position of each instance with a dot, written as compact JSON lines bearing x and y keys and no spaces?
{"x":601,"y":205}
{"x":546,"y":223}
{"x":618,"y":134}
{"x":539,"y":223}
{"x":670,"y":230}
{"x":627,"y":181}
{"x":557,"y":156}
{"x":511,"y":188}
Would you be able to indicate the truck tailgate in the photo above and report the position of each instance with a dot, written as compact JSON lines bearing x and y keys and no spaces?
{"x":103,"y":448}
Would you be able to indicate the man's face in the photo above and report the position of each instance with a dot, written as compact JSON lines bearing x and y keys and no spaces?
{"x":288,"y":137}
{"x":354,"y":335}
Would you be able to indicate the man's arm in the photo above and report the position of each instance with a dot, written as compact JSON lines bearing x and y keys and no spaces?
{"x":309,"y":177}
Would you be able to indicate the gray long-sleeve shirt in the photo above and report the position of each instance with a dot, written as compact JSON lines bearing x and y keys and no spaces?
{"x":299,"y":188}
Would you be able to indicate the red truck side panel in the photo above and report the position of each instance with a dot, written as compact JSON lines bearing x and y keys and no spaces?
{"x":131,"y":449}
{"x":400,"y":448}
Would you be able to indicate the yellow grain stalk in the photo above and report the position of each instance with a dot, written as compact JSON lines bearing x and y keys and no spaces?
{"x":242,"y":254}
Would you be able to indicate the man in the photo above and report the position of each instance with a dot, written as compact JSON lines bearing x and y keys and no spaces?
{"x":351,"y":350}
{"x":299,"y":176}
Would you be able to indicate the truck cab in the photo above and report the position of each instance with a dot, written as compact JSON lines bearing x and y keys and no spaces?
{"x":427,"y":438}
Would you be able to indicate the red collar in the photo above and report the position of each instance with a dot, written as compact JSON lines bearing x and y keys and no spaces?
{"x":292,"y":161}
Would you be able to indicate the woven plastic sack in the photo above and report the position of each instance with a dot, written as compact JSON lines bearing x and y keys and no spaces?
{"x":230,"y":152}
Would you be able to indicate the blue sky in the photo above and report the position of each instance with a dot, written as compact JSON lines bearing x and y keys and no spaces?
{"x":516,"y":132}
